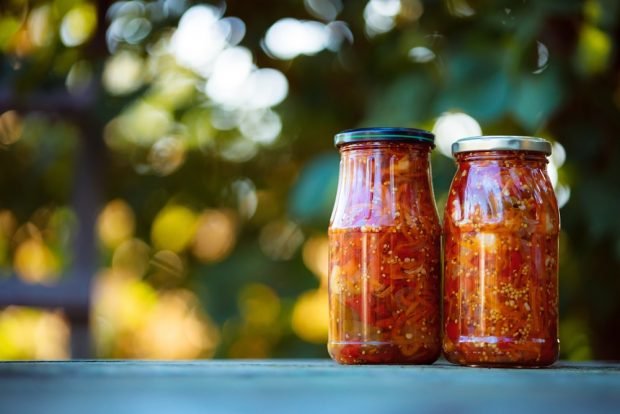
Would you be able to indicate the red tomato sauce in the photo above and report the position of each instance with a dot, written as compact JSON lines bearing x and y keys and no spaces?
{"x":501,"y":230}
{"x":384,"y":267}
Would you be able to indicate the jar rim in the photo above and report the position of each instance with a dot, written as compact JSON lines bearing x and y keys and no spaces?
{"x":384,"y":134}
{"x":502,"y":143}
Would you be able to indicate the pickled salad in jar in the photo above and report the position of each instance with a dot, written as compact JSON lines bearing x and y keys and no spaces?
{"x":501,"y":229}
{"x":384,"y":237}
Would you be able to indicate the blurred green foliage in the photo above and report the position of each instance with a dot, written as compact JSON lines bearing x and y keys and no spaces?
{"x":80,"y":71}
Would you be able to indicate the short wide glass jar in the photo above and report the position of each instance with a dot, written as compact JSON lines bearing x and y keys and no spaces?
{"x":384,"y":250}
{"x":501,"y":229}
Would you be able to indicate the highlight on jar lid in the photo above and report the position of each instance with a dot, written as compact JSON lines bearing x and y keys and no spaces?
{"x":502,"y":143}
{"x":384,"y":134}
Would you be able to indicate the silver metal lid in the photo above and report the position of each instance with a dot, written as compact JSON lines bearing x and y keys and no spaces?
{"x":502,"y":142}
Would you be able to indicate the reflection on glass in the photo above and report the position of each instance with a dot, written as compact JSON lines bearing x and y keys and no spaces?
{"x":501,"y":261}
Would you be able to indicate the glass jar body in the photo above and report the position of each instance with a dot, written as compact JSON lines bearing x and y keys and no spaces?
{"x":501,"y":231}
{"x":384,"y":265}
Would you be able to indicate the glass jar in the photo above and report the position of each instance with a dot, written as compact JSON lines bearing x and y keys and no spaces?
{"x":384,"y":250}
{"x":501,"y":230}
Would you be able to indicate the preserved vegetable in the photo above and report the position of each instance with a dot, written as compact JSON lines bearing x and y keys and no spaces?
{"x":501,"y":261}
{"x":384,"y":256}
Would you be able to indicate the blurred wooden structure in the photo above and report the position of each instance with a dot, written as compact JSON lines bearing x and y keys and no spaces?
{"x":72,"y":293}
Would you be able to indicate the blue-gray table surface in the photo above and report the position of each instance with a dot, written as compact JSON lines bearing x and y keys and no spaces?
{"x":301,"y":386}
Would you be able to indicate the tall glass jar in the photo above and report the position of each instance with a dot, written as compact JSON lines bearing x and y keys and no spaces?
{"x":384,"y":239}
{"x":501,"y":231}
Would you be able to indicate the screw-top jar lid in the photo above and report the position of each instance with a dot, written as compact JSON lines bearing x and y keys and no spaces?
{"x":384,"y":134}
{"x":502,"y":142}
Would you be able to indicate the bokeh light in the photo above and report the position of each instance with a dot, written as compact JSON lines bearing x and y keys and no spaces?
{"x":556,"y":161}
{"x":167,"y":268}
{"x":460,"y":8}
{"x":40,"y":25}
{"x":593,"y":49}
{"x":167,"y":155}
{"x":247,"y":197}
{"x":288,"y":38}
{"x":144,"y":123}
{"x":315,"y":254}
{"x":452,"y":126}
{"x":133,"y":320}
{"x":216,"y":233}
{"x":199,"y":39}
{"x":10,"y":128}
{"x":116,"y":223}
{"x":238,"y":149}
{"x":324,"y":9}
{"x":280,"y":239}
{"x":236,"y":83}
{"x":123,"y":73}
{"x":175,"y":329}
{"x":310,"y":316}
{"x":174,"y":228}
{"x":37,"y":247}
{"x":542,"y":60}
{"x":265,"y":88}
{"x":421,"y":54}
{"x":79,"y":24}
{"x":34,"y":262}
{"x":27,"y":333}
{"x":121,"y":305}
{"x":239,"y":95}
{"x":131,"y":257}
{"x":380,"y":16}
{"x":131,"y":21}
{"x":262,"y":126}
{"x":230,"y":71}
{"x":79,"y":78}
